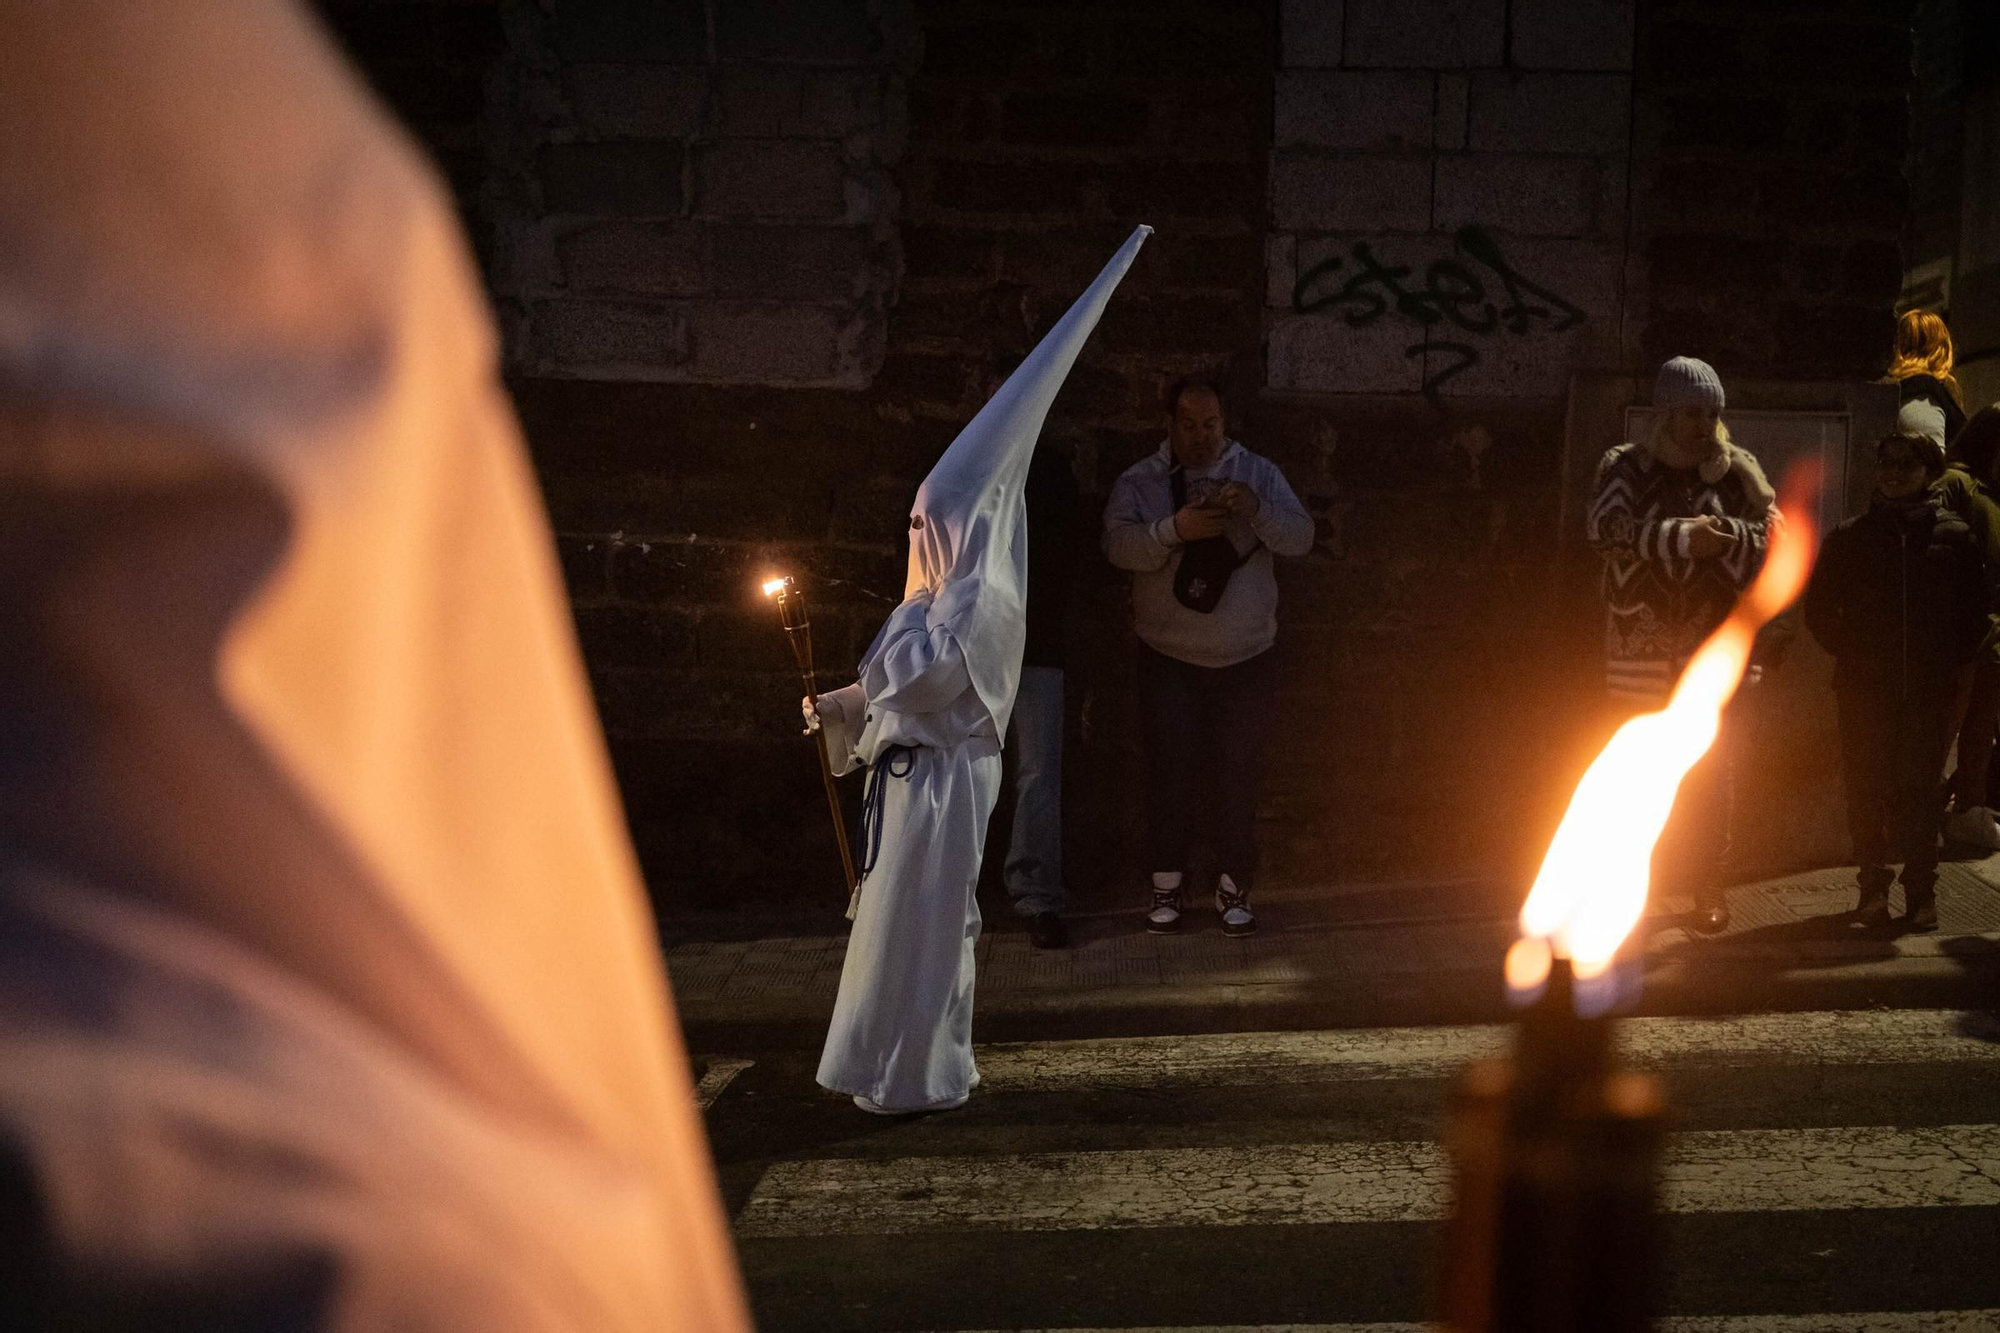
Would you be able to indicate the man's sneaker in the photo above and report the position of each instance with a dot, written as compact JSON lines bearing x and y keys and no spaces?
{"x":1233,"y":906}
{"x":1165,"y":916}
{"x":1046,"y":931}
{"x":1920,"y":911}
{"x":1975,"y":827}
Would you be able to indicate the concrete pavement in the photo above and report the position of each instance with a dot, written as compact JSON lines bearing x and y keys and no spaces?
{"x":1825,"y":1172}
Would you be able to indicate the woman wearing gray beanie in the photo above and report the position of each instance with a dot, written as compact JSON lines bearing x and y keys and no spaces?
{"x":1680,"y":522}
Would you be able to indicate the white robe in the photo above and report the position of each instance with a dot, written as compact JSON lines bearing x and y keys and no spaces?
{"x":902,"y":1022}
{"x":940,"y":680}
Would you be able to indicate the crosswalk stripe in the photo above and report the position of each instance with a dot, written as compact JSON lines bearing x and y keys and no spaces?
{"x":1721,"y":1171}
{"x":721,"y":1073}
{"x":1887,"y":1321}
{"x":1265,"y":1058}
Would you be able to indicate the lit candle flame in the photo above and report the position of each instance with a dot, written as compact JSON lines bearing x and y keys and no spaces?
{"x":772,"y":587}
{"x":1592,"y":887}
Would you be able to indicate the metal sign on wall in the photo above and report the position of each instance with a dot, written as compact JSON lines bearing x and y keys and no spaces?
{"x":1780,"y":440}
{"x":1780,"y":421}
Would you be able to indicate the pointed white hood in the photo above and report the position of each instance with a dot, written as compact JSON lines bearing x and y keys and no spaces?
{"x":968,"y":528}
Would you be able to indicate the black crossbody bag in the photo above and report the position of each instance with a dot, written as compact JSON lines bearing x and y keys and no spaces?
{"x":1206,"y":564}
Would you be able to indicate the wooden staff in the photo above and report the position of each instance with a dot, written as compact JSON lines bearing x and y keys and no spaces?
{"x":798,"y":628}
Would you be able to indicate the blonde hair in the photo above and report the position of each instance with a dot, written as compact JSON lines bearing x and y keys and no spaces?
{"x":1923,"y":347}
{"x":1756,"y":486}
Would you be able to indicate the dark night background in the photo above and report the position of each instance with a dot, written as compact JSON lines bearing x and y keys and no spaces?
{"x":752,"y":258}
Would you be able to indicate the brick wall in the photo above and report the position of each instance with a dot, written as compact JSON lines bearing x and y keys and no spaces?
{"x":755,"y":256}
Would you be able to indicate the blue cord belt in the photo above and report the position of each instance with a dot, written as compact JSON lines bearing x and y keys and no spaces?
{"x":895,"y":762}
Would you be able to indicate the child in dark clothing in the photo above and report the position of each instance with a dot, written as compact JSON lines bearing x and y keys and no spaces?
{"x":1898,"y":598}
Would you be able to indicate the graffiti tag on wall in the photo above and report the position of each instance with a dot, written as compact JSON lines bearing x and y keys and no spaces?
{"x":1474,"y":291}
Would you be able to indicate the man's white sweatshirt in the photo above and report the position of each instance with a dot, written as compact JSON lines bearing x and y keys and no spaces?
{"x":1139,"y":536}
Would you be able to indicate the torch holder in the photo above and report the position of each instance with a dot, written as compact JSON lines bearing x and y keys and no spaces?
{"x":1555,"y":1154}
{"x":798,"y":630}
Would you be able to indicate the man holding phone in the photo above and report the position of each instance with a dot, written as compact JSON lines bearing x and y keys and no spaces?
{"x":1197,"y":522}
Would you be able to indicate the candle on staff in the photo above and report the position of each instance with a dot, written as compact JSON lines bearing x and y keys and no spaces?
{"x":1555,"y":1147}
{"x":791,"y":611}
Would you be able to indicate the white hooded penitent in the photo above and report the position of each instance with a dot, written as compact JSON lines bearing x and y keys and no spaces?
{"x":968,"y":528}
{"x":937,"y":687}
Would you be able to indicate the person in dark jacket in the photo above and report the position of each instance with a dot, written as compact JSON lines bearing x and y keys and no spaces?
{"x":1034,"y":866}
{"x":1898,"y":598}
{"x":1968,"y":490}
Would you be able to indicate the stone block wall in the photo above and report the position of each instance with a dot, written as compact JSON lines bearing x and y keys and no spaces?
{"x":1040,"y":135}
{"x":756,"y":258}
{"x":432,"y":63}
{"x":1769,"y":174}
{"x":1447,"y":242}
{"x":698,"y":191}
{"x":1471,"y":200}
{"x":1037,"y":139}
{"x":1449,"y":196}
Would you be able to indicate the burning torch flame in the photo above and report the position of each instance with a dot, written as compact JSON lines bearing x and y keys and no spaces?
{"x":772,"y":587}
{"x":1592,"y":887}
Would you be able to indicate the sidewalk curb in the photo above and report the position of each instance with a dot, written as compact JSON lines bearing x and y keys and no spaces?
{"x":1687,"y":986}
{"x":1327,"y":963}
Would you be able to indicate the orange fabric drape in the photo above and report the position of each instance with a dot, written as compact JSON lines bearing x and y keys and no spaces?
{"x":300,"y":771}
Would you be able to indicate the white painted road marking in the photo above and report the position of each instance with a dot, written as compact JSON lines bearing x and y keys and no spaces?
{"x":1264,"y":1058}
{"x":1724,"y":1171}
{"x":1888,"y":1321}
{"x":717,"y":1077}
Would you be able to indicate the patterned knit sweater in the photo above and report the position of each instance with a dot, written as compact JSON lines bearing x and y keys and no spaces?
{"x":1663,"y":602}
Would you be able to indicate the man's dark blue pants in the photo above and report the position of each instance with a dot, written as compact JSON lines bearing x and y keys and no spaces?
{"x":1207,"y":730}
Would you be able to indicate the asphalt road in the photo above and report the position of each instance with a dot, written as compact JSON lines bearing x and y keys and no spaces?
{"x":1827,"y":1173}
